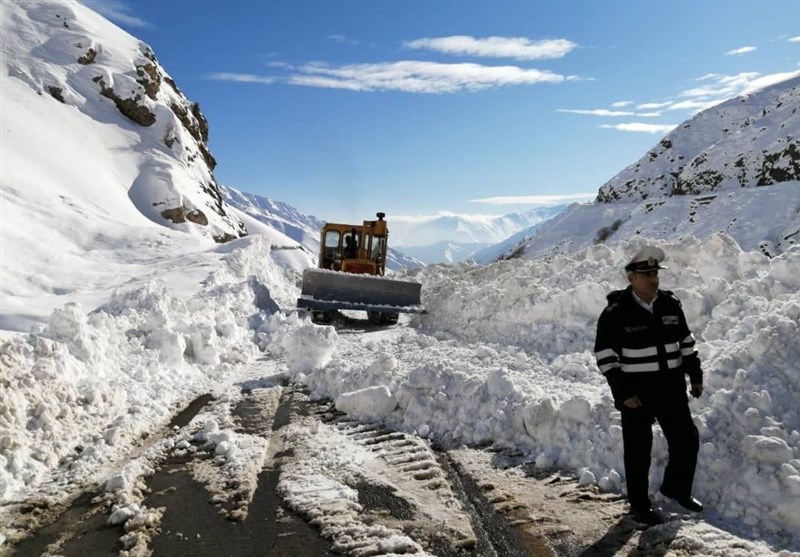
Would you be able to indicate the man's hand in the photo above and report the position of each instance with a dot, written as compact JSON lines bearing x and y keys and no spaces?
{"x":634,"y":401}
{"x":697,"y":390}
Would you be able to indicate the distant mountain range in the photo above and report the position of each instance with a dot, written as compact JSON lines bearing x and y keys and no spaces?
{"x":461,"y":237}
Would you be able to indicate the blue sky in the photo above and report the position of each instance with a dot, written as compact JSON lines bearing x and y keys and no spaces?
{"x":342,"y":109}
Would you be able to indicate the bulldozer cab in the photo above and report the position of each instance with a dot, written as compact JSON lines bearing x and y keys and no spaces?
{"x":359,"y":249}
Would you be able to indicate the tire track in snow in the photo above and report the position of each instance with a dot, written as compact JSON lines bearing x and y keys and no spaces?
{"x":396,"y":483}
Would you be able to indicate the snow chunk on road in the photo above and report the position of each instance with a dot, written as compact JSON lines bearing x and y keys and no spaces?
{"x":309,"y":347}
{"x":372,"y":402}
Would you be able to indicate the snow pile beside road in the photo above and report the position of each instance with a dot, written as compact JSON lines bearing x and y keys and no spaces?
{"x":507,"y":359}
{"x":77,"y":391}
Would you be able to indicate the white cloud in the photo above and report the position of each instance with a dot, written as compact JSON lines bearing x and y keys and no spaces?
{"x":543,"y":200}
{"x":740,"y":51}
{"x":725,"y":87}
{"x":640,"y":127}
{"x":422,"y":219}
{"x":696,"y":105}
{"x":342,"y":39}
{"x":717,"y":88}
{"x":240,"y":77}
{"x":419,"y":77}
{"x":496,"y":47}
{"x":707,"y":77}
{"x":621,"y":104}
{"x":596,"y":112}
{"x":767,"y":80}
{"x":609,"y":113}
{"x":116,"y":11}
{"x":794,"y":39}
{"x":652,"y":106}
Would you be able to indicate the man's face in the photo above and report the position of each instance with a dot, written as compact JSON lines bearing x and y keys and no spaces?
{"x":644,"y":284}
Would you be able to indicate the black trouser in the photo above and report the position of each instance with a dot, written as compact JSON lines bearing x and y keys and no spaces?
{"x":671,"y":410}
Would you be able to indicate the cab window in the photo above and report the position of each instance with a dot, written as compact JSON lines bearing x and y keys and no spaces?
{"x":331,"y":248}
{"x":377,"y":247}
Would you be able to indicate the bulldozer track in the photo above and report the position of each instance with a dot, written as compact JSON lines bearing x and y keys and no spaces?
{"x":325,"y":483}
{"x":416,"y":461}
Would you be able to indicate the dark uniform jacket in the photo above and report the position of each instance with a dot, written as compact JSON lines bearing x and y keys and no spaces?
{"x":641,"y":353}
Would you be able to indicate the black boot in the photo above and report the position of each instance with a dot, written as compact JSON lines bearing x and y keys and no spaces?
{"x":645,"y":513}
{"x":687,"y":502}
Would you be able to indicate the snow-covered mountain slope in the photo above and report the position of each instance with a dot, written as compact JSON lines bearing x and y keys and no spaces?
{"x":397,"y":260}
{"x":105,"y":174}
{"x":465,"y":229}
{"x":767,"y":219}
{"x":67,"y":68}
{"x":298,"y":226}
{"x":734,"y":168}
{"x":463,"y":237}
{"x":445,"y":251}
{"x":748,"y":141}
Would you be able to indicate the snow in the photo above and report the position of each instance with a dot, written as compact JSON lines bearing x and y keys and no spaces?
{"x":503,"y":357}
{"x":112,"y":322}
{"x":764,"y":218}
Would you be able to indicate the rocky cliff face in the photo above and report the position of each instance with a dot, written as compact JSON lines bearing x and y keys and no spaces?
{"x":62,"y":48}
{"x":748,"y":141}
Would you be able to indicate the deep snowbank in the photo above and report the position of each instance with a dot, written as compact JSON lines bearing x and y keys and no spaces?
{"x":80,"y":388}
{"x":509,"y":361}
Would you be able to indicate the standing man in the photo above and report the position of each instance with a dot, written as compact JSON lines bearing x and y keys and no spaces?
{"x":644,"y":347}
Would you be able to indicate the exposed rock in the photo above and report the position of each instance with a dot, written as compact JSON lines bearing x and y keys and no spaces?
{"x":88,"y":58}
{"x":607,"y":231}
{"x":170,"y":138}
{"x":129,"y":107}
{"x":197,"y":216}
{"x":168,"y":80}
{"x":202,"y":123}
{"x":221,"y":239}
{"x":197,"y":126}
{"x":148,"y":53}
{"x":781,"y":166}
{"x":149,"y":79}
{"x":56,"y":92}
{"x":176,"y":215}
{"x":181,"y":214}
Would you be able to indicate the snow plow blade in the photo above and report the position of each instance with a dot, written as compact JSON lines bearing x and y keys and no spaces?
{"x":328,"y":290}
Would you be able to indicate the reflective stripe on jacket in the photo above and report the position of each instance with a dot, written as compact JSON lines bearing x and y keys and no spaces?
{"x":632,"y":342}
